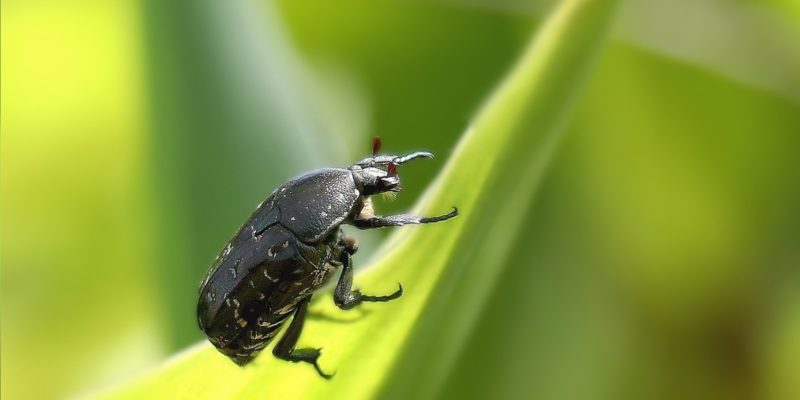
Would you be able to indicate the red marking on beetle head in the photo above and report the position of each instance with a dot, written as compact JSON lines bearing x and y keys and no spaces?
{"x":376,"y":145}
{"x":392,"y":169}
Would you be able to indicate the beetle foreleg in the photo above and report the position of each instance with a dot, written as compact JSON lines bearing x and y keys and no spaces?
{"x":285,"y":348}
{"x":400,"y":220}
{"x":345,"y":298}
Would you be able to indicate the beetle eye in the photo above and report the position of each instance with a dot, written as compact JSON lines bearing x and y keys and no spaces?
{"x":391,"y":170}
{"x":376,"y":145}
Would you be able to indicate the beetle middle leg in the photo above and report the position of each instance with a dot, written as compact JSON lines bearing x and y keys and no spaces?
{"x":285,"y":349}
{"x":345,"y":298}
{"x":400,"y":220}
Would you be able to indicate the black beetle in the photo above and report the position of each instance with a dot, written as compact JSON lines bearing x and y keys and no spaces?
{"x":290,"y":246}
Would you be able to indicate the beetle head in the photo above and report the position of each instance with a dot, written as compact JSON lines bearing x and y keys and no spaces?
{"x":378,"y":174}
{"x":373,"y":180}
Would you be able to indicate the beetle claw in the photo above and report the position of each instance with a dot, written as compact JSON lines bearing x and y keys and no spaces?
{"x":321,"y":373}
{"x":399,"y":291}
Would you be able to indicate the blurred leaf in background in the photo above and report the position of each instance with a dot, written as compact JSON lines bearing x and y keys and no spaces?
{"x":78,"y":302}
{"x":660,"y":258}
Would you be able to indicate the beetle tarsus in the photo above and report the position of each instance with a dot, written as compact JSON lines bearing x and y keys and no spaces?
{"x":451,"y":214}
{"x":382,"y":299}
{"x":345,"y":298}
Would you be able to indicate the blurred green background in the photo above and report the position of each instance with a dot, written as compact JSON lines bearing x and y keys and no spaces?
{"x":661,"y":258}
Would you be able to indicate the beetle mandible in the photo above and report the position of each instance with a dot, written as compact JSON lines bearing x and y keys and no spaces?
{"x":289,"y":247}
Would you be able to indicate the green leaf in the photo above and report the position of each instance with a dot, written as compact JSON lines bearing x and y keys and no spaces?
{"x":447,"y":268}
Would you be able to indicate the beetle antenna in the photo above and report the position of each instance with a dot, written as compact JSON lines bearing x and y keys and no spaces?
{"x":408,"y":157}
{"x":376,"y":145}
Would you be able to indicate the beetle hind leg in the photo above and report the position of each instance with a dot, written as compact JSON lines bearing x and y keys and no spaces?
{"x":345,"y":298}
{"x":285,"y":349}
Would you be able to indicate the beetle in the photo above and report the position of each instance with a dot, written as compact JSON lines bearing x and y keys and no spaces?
{"x":291,"y":246}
